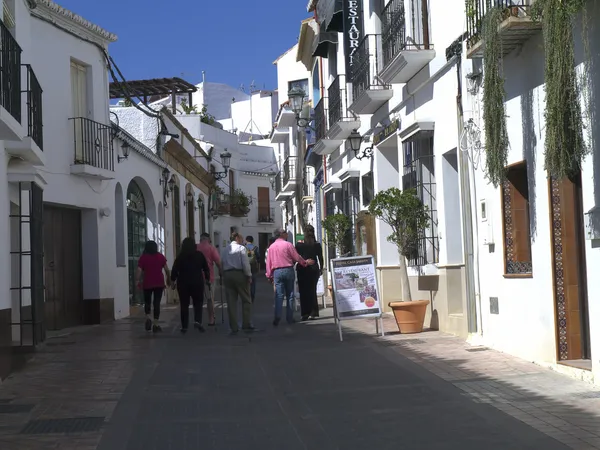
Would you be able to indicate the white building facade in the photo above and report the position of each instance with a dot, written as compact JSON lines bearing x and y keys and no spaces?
{"x":537,"y":245}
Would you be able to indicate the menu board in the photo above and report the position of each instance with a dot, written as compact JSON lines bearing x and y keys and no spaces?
{"x":355,"y":289}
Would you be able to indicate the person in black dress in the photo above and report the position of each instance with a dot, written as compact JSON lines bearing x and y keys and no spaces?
{"x":187,"y":276}
{"x":308,"y":277}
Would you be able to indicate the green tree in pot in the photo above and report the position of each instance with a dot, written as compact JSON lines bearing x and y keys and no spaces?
{"x":408,"y":217}
{"x":336,"y":229}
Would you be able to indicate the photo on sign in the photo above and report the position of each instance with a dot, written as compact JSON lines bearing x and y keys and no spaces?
{"x":355,"y":284}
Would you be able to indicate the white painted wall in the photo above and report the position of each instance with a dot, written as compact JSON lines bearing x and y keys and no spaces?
{"x":526,"y":324}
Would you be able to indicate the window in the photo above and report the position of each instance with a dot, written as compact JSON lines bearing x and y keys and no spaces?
{"x":419,"y":174}
{"x":79,"y":102}
{"x":516,"y":225}
{"x":302,"y":84}
{"x":316,"y":79}
{"x":350,"y":208}
{"x":368,"y":188}
{"x":264,"y":207}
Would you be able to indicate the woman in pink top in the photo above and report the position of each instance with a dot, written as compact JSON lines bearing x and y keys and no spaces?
{"x":151,"y":265}
{"x":212,"y":257}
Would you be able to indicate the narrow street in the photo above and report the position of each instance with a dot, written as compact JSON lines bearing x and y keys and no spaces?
{"x":113,"y":387}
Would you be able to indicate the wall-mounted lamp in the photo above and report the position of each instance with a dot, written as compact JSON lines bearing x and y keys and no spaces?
{"x":164,"y":182}
{"x":200,"y":203}
{"x":125,"y":150}
{"x":225,"y":162}
{"x":189,"y":198}
{"x":272,"y":178}
{"x":297,"y":100}
{"x":355,"y":140}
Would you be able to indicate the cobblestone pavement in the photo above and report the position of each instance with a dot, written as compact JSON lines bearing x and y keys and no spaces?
{"x":113,"y":387}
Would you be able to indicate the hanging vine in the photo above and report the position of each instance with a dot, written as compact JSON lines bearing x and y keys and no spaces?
{"x":565,"y":146}
{"x":494,"y":116}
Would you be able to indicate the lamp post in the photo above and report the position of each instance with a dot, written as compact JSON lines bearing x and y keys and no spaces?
{"x":355,"y":140}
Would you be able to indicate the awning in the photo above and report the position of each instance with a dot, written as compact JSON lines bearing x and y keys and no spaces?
{"x":324,"y":40}
{"x":331,"y":14}
{"x":312,"y":159}
{"x":416,"y":128}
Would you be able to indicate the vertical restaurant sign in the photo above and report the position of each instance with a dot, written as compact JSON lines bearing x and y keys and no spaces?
{"x":353,"y":31}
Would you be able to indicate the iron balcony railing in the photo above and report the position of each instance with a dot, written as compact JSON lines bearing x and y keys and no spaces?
{"x":10,"y":73}
{"x":93,"y":143}
{"x":477,"y":9}
{"x":366,"y":65}
{"x":337,"y":96}
{"x":35,"y":127}
{"x":266,"y":214}
{"x":393,"y":34}
{"x":320,"y":120}
{"x":289,"y":170}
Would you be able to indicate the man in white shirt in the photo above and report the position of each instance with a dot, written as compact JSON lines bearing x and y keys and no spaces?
{"x":237,"y":278}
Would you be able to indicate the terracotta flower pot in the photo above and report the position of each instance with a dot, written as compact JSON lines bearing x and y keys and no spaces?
{"x":410,"y":316}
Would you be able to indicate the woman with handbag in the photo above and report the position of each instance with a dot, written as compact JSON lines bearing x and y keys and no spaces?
{"x":308,"y":277}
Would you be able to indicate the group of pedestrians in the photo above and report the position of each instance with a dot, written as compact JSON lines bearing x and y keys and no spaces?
{"x":193,"y":276}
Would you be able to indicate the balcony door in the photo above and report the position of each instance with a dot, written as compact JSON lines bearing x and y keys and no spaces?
{"x":79,"y":98}
{"x":264,"y":207}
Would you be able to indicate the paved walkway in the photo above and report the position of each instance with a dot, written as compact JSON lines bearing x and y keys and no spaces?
{"x":113,"y":387}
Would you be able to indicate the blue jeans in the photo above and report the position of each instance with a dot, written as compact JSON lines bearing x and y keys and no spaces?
{"x":253,"y":287}
{"x":284,"y":286}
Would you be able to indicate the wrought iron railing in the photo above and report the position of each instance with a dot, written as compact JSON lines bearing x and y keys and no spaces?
{"x":320,"y":120}
{"x":477,"y":9}
{"x":10,"y":73}
{"x":289,"y":169}
{"x":266,"y":214}
{"x":393,"y":30}
{"x":35,"y":127}
{"x":93,"y":143}
{"x":366,"y":65}
{"x":337,"y":94}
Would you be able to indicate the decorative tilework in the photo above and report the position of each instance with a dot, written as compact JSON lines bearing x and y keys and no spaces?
{"x":512,"y":266}
{"x":559,"y":276}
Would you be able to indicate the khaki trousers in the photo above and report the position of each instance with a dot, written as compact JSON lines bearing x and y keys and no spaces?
{"x":237,"y":285}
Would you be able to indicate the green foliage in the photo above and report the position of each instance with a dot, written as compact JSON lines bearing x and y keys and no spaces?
{"x":404,"y":212}
{"x":565,"y":147}
{"x":127,"y":103}
{"x":336,"y":227}
{"x":206,"y":117}
{"x":241,"y":200}
{"x":494,"y":115}
{"x":470,"y":9}
{"x":188,"y":109}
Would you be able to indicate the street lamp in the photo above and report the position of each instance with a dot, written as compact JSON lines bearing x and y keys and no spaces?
{"x":163,"y":181}
{"x":189,"y":198}
{"x":125,"y":150}
{"x":296,"y":96}
{"x":272,"y":178}
{"x":355,"y":140}
{"x":225,"y":162}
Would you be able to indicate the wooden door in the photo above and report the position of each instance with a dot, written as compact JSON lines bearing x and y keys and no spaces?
{"x":264,"y":207}
{"x":62,"y":267}
{"x":569,"y":269}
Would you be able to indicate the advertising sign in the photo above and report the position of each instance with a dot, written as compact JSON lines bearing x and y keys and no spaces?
{"x":355,"y":287}
{"x":353,"y":31}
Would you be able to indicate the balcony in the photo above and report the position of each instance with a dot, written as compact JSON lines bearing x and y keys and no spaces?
{"x":289,"y":174}
{"x":10,"y":86}
{"x":341,"y":123}
{"x":515,"y":29}
{"x":30,"y":147}
{"x":232,"y":205}
{"x":280,"y":135}
{"x":93,"y":149}
{"x":368,"y":93}
{"x":280,"y":194}
{"x":402,"y":58}
{"x":266,"y":214}
{"x":287,"y":118}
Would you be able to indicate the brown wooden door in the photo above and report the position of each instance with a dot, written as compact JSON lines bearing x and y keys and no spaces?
{"x":264,"y":207}
{"x":62,"y":267}
{"x":569,"y":269}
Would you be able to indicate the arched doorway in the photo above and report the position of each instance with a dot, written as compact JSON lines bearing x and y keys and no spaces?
{"x":136,"y":236}
{"x":190,"y":208}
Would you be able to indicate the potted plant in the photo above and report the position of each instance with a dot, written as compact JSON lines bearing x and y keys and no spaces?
{"x":336,"y":230}
{"x":408,"y":217}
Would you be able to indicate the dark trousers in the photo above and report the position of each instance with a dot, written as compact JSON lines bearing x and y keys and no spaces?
{"x":308,"y":278}
{"x":195,"y":292}
{"x":157,"y":294}
{"x":253,"y":287}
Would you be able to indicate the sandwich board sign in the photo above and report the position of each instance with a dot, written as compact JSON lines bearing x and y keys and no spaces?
{"x":355,"y":290}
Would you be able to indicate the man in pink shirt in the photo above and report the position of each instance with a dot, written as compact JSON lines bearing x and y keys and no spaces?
{"x":212,"y":257}
{"x":280,"y":270}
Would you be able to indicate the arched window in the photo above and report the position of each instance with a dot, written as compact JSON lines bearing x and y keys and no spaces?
{"x":136,"y":235}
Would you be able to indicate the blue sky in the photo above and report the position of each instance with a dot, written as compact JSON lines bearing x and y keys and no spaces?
{"x":234,"y":41}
